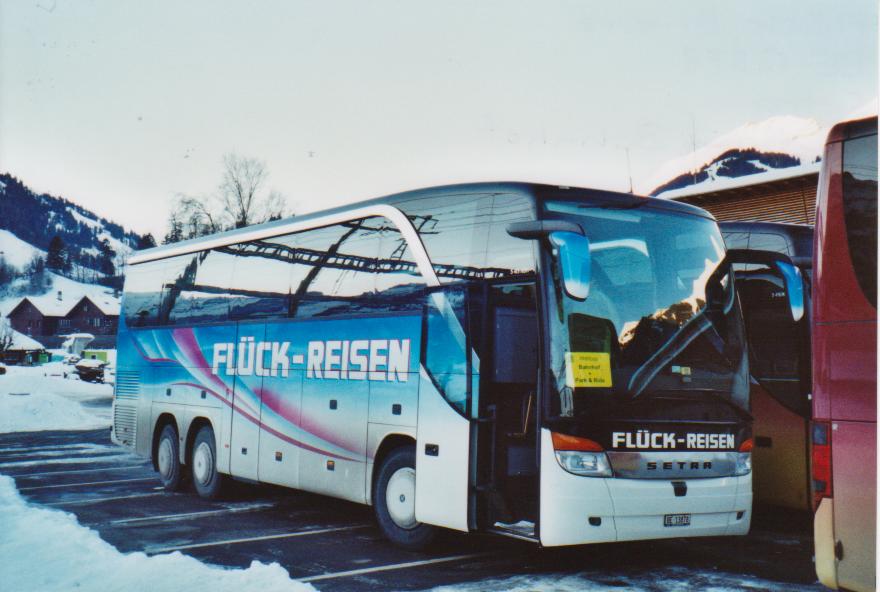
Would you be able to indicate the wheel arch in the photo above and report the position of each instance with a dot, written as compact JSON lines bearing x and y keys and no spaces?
{"x":389,"y":442}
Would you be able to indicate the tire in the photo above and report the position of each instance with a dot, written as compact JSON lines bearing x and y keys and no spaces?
{"x":168,"y":459}
{"x":207,"y":481}
{"x":394,"y":501}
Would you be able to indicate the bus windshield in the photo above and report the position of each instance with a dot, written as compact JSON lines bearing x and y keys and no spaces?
{"x":659,"y":320}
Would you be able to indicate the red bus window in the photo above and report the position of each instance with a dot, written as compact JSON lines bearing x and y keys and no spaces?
{"x":860,"y":210}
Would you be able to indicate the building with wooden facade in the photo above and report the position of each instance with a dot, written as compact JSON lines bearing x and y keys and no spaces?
{"x":780,"y":195}
{"x":51,"y":316}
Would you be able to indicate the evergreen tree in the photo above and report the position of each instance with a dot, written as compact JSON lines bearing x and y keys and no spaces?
{"x":7,"y":274}
{"x":105,"y":258}
{"x":56,"y":258}
{"x":38,"y":281}
{"x":146,"y":242}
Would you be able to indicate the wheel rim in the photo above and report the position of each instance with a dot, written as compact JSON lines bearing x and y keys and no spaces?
{"x":166,"y":458}
{"x":203,"y":463}
{"x":400,"y":498}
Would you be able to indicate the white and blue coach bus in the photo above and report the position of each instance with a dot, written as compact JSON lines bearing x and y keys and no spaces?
{"x":557,"y":364}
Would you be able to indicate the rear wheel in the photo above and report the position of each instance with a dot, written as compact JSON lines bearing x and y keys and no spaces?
{"x":207,"y":481}
{"x":168,"y":459}
{"x":394,"y":501}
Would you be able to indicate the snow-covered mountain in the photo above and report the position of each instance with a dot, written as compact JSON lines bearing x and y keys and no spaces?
{"x":775,"y":143}
{"x":29,"y":221}
{"x":733,"y":163}
{"x":17,"y":252}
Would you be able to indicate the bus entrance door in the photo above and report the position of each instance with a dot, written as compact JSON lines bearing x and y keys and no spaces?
{"x":507,"y":471}
{"x":449,"y":373}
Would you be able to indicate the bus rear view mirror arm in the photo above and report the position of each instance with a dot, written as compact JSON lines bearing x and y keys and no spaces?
{"x":791,"y":274}
{"x":570,"y":249}
{"x":538,"y":229}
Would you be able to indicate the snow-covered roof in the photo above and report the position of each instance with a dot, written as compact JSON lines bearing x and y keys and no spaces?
{"x":723,"y":183}
{"x":105,"y":303}
{"x":51,"y":305}
{"x":21,"y":342}
{"x":72,"y":292}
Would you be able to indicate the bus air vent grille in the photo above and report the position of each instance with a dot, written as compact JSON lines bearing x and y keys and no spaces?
{"x":125,"y":423}
{"x":128,"y":385}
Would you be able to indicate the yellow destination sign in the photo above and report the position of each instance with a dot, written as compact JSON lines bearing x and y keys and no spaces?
{"x":588,"y":369}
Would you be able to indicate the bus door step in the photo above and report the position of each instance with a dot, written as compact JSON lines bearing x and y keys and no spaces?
{"x":523,"y":530}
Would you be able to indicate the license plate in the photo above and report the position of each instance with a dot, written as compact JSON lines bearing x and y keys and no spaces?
{"x":677,"y":520}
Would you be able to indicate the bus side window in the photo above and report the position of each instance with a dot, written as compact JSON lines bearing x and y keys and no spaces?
{"x":399,"y":285}
{"x":143,"y":291}
{"x":512,"y":255}
{"x":466,"y":235}
{"x":199,"y":293}
{"x":860,"y":210}
{"x":736,"y":240}
{"x":178,"y":273}
{"x":335,"y":272}
{"x":262,"y":278}
{"x":765,"y":241}
{"x":446,"y":345}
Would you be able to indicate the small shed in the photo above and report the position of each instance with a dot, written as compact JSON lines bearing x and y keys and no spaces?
{"x":24,"y":351}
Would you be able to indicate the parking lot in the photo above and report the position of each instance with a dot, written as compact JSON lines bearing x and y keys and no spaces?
{"x":335,"y":545}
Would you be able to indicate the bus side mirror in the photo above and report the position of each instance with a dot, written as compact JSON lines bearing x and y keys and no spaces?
{"x":572,"y":253}
{"x":791,"y":274}
{"x":794,"y":287}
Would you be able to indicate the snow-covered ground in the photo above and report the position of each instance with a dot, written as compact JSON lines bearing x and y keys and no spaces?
{"x":17,"y":252}
{"x":672,"y":579}
{"x":32,"y":399}
{"x":48,"y":550}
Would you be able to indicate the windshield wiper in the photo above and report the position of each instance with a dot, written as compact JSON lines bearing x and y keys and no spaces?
{"x":687,"y":333}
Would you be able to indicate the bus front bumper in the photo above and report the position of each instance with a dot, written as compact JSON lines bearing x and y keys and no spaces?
{"x":577,"y":510}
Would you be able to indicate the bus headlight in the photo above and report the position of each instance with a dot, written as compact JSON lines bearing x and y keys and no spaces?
{"x":743,"y":463}
{"x":589,"y":464}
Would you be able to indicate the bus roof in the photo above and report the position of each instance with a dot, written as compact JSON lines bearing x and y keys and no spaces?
{"x":848,"y":130}
{"x":284,"y":225}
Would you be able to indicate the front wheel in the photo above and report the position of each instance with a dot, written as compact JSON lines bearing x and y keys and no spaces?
{"x":206,"y":479}
{"x":394,"y":501}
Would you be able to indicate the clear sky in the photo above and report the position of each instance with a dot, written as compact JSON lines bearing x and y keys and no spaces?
{"x":120,"y":105}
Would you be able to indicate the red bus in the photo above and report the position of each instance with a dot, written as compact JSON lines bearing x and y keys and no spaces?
{"x":844,"y":333}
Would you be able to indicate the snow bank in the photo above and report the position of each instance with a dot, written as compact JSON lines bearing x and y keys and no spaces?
{"x":47,"y":550}
{"x":31,"y":402}
{"x":675,"y":579}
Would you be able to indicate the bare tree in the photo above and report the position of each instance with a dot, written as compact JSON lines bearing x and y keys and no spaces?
{"x":7,"y":338}
{"x":241,"y":200}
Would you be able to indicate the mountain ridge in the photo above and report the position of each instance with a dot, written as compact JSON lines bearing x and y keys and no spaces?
{"x":36,"y":218}
{"x":732,"y":163}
